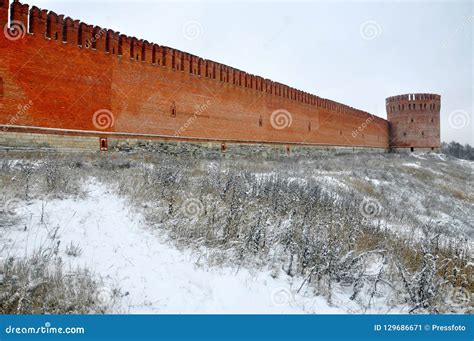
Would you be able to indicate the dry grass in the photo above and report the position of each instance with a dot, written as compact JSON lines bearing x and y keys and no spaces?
{"x":40,"y":285}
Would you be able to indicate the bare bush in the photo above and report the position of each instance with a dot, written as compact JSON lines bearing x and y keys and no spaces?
{"x":73,"y":250}
{"x":39,"y":285}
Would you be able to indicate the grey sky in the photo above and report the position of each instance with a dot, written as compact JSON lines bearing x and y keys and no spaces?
{"x":357,"y":53}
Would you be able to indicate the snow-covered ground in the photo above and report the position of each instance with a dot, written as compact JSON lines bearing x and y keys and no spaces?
{"x":140,"y":270}
{"x":173,"y":262}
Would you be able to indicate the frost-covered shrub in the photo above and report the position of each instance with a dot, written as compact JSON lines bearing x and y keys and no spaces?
{"x":73,"y":250}
{"x":40,"y":285}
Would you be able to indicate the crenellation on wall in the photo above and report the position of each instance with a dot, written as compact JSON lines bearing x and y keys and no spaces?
{"x":61,"y":28}
{"x":176,"y":59}
{"x":52,"y":32}
{"x":142,"y":51}
{"x":73,"y":32}
{"x":20,"y":13}
{"x":241,"y":78}
{"x":81,"y":39}
{"x":110,"y":41}
{"x":217,"y":71}
{"x":25,"y":14}
{"x":205,"y":68}
{"x":153,"y":48}
{"x":135,"y":49}
{"x":214,"y":70}
{"x":226,"y":72}
{"x":201,"y":67}
{"x":87,"y":35}
{"x":182,"y":66}
{"x":161,"y":55}
{"x":35,"y":17}
{"x":15,"y":11}
{"x":147,"y":52}
{"x":229,"y":75}
{"x":211,"y":70}
{"x":124,"y":47}
{"x":192,"y":61}
{"x":4,"y":8}
{"x":98,"y":39}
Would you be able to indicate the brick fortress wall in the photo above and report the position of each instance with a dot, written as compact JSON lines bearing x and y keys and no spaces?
{"x":56,"y":72}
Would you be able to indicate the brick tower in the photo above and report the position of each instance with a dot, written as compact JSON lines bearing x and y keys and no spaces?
{"x":414,"y":122}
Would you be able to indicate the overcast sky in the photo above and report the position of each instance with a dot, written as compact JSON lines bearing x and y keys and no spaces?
{"x":357,"y":53}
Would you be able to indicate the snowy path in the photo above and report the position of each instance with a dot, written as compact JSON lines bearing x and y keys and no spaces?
{"x":157,"y":277}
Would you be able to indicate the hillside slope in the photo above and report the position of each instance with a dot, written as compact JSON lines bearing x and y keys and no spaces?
{"x":164,"y":234}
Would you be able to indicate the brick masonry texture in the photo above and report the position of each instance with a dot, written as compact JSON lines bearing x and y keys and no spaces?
{"x":56,"y":72}
{"x":414,"y":121}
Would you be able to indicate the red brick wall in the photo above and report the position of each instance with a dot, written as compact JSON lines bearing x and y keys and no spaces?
{"x":414,"y":120}
{"x":65,"y":71}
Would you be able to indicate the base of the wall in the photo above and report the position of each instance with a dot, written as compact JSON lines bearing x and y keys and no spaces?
{"x":415,"y":150}
{"x":27,"y":140}
{"x":61,"y":142}
{"x":233,"y":149}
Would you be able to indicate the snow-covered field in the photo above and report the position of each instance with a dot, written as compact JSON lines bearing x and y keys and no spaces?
{"x":339,"y":234}
{"x":141,"y":272}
